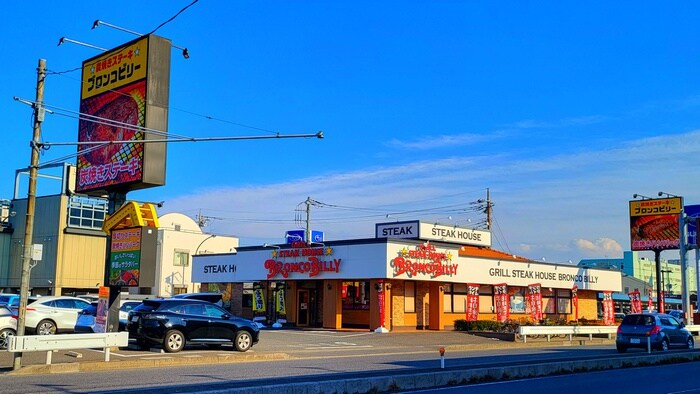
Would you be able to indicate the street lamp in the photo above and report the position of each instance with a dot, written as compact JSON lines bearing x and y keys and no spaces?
{"x":203,"y":241}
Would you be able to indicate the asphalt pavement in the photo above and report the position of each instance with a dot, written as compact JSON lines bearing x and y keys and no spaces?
{"x":275,"y":344}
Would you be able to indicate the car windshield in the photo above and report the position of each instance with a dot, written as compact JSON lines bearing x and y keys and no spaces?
{"x":638,"y":320}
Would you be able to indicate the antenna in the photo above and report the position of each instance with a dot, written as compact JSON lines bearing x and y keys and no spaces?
{"x":202,"y":220}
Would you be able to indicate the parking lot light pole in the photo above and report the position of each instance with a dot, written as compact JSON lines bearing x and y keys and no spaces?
{"x":31,"y":201}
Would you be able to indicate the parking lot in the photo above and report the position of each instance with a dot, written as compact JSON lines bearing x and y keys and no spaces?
{"x":275,"y":344}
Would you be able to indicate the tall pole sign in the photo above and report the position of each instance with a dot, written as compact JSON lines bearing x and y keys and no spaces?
{"x":656,"y":225}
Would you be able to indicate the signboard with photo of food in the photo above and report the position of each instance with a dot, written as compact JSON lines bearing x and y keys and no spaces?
{"x":654,"y":223}
{"x":124,"y":98}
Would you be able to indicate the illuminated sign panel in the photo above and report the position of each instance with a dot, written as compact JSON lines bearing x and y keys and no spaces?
{"x":654,"y":223}
{"x":123,"y":92}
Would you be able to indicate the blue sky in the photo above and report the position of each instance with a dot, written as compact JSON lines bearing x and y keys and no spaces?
{"x":563,"y":111}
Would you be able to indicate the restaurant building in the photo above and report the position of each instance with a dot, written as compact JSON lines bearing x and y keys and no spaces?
{"x":412,"y":275}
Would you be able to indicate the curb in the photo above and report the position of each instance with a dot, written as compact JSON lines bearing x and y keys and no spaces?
{"x":164,"y":361}
{"x":446,"y":378}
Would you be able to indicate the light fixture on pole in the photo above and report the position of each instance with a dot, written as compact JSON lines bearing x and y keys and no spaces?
{"x":669,"y":195}
{"x":66,"y":39}
{"x":643,"y":197}
{"x":185,"y":52}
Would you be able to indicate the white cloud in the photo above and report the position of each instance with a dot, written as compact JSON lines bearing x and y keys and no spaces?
{"x":445,"y":141}
{"x":602,"y":247}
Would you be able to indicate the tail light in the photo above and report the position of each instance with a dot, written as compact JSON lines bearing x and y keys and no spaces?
{"x":619,"y":330}
{"x":654,"y":330}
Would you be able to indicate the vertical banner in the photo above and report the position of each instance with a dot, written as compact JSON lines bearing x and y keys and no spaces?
{"x":574,"y":299}
{"x":500,"y":294}
{"x":472,"y":302}
{"x":281,"y":305}
{"x":534,"y":300}
{"x":635,"y":301}
{"x":382,"y":310}
{"x":661,"y":303}
{"x":608,"y":309}
{"x":101,"y":316}
{"x":258,"y":303}
{"x":650,"y":304}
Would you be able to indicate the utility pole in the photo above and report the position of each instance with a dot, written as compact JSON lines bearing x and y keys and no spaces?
{"x":488,"y":209}
{"x":31,"y":201}
{"x":308,"y":220}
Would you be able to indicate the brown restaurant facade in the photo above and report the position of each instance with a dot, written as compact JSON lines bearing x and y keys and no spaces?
{"x":412,"y":275}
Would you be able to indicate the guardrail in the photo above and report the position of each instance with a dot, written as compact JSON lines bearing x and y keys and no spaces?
{"x":49,"y":343}
{"x":570,"y":331}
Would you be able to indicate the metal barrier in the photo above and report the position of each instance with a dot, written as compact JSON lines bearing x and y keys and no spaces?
{"x":570,"y":331}
{"x":49,"y":343}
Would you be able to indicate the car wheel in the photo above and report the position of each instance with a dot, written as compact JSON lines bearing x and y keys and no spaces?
{"x":621,"y":349}
{"x":664,"y":345}
{"x":243,"y":341}
{"x":691,"y":343}
{"x":5,"y":337}
{"x":46,"y":327}
{"x":174,"y":341}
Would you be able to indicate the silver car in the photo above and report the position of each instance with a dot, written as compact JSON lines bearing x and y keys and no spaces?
{"x":8,"y":325}
{"x":53,"y":314}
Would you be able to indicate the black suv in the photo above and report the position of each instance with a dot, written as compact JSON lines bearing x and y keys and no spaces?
{"x":174,"y":322}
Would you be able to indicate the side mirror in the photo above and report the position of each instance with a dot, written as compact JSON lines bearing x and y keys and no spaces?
{"x":682,"y":325}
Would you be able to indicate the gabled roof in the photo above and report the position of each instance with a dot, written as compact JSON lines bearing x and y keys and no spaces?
{"x":480,"y":251}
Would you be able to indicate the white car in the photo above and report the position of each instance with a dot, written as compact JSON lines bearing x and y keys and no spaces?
{"x":53,"y":314}
{"x":8,"y":325}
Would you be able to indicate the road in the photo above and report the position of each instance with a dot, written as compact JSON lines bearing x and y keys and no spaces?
{"x":661,"y":379}
{"x":322,"y":355}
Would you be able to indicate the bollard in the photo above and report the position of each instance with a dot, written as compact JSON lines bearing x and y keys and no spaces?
{"x":442,"y":357}
{"x":649,"y":344}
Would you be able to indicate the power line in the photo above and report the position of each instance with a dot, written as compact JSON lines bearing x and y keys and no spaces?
{"x":174,"y":16}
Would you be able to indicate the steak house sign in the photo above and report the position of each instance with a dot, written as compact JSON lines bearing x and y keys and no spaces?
{"x":424,"y":260}
{"x":433,"y":232}
{"x":314,"y":261}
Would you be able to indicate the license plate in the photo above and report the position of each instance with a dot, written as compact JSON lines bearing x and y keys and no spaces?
{"x":634,"y":340}
{"x":136,"y":318}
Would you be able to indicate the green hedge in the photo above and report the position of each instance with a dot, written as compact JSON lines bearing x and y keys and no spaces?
{"x":485,"y":325}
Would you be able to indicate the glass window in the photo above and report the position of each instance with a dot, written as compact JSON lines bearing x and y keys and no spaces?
{"x":549,"y":305}
{"x":213,"y":311}
{"x":182,"y":258}
{"x":459,"y":303}
{"x":87,"y":212}
{"x":563,"y":293}
{"x":485,"y":289}
{"x":517,"y":299}
{"x":409,"y":297}
{"x":447,"y":303}
{"x":485,"y":303}
{"x":563,"y":305}
{"x":355,"y":295}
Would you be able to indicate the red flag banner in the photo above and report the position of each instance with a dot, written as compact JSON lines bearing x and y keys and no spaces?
{"x":472,"y":302}
{"x":608,"y":309}
{"x":534,"y":298}
{"x":500,"y":293}
{"x":635,"y":301}
{"x":574,"y":300}
{"x":651,"y":300}
{"x":661,"y":303}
